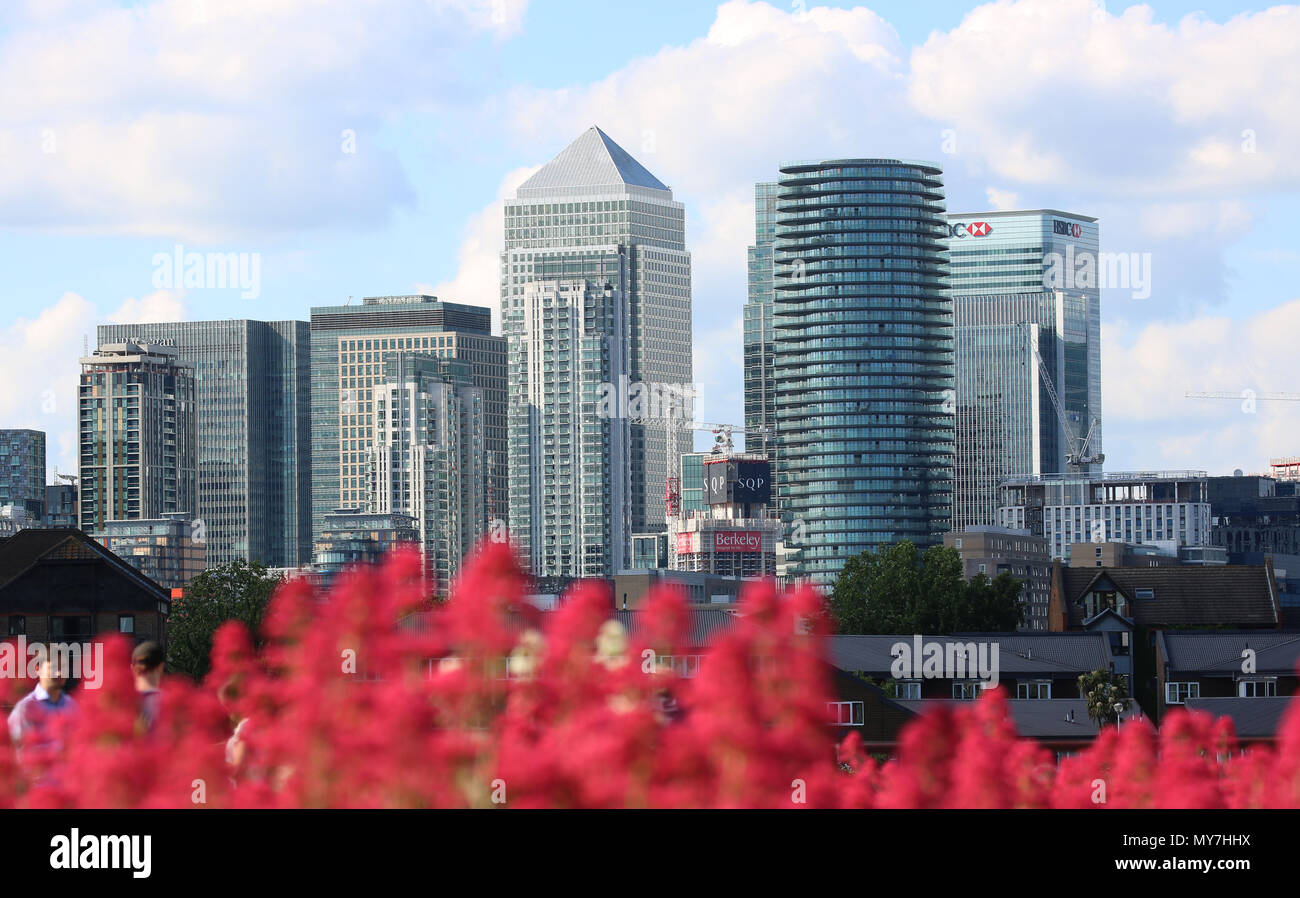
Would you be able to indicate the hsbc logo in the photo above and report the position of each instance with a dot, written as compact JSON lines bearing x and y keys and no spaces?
{"x":970,"y":229}
{"x":1067,"y":228}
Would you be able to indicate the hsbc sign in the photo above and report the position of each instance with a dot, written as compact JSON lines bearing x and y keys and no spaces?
{"x":737,"y":541}
{"x":1067,"y":228}
{"x":970,"y":229}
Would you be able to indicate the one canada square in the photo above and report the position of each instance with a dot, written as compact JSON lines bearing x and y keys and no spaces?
{"x":595,"y":300}
{"x":863,"y":358}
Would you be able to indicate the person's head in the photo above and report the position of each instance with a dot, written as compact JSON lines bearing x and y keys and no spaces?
{"x":147,"y":663}
{"x":52,"y":677}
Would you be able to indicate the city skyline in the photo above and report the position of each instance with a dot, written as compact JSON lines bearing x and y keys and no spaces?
{"x":416,"y":207}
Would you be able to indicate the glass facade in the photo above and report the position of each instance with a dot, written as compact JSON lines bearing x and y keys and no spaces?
{"x":164,"y":550}
{"x":350,"y":345}
{"x":760,"y":347}
{"x":22,"y":472}
{"x":864,"y":359}
{"x":252,"y":385}
{"x":1007,"y":425}
{"x":595,"y":292}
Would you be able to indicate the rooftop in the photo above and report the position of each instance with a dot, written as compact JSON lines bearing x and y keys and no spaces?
{"x":593,"y":163}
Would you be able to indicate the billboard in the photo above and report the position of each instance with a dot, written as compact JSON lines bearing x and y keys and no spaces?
{"x":737,"y":541}
{"x":737,"y":481}
{"x":686,"y":544}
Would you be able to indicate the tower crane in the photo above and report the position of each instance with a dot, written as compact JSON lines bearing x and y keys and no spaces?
{"x":1074,"y":458}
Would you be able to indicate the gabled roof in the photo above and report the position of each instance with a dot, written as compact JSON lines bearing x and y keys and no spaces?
{"x":1019,"y":654}
{"x":1252,"y":718}
{"x":1276,"y":651}
{"x":591,"y":161}
{"x":27,"y":548}
{"x":1182,"y":595}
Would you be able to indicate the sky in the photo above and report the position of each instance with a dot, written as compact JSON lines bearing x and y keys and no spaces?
{"x":359,"y":148}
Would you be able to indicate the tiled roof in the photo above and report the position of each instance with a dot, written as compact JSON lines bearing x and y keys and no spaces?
{"x":1252,"y":718}
{"x":703,"y":624}
{"x":1018,"y":653}
{"x":26,"y":548}
{"x":1038,"y":718}
{"x":591,"y":161}
{"x":1183,"y":595}
{"x":1276,"y":651}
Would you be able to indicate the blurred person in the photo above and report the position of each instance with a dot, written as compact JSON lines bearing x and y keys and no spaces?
{"x":37,"y":722}
{"x":147,"y":666}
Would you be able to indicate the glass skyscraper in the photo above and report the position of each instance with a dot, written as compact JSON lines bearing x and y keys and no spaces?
{"x":864,"y":358}
{"x":760,"y":346}
{"x":595,"y":297}
{"x":1008,"y":313}
{"x":350,"y":346}
{"x":252,"y":387}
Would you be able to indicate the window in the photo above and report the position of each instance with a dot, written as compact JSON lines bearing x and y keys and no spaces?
{"x":1260,"y":687}
{"x":845,"y":714}
{"x":126,"y":623}
{"x":17,"y":625}
{"x":966,"y":691}
{"x":65,"y":627}
{"x":981,"y":568}
{"x":907,"y":689}
{"x":1034,"y":689}
{"x":1177,"y":693}
{"x":1119,"y":642}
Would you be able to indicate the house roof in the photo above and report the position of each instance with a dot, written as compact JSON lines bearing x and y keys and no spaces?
{"x":591,"y":161}
{"x":1276,"y":651}
{"x":1037,"y":718}
{"x":1252,"y":718}
{"x":1043,"y":654}
{"x":703,"y":624}
{"x":1182,"y":595}
{"x":27,"y":548}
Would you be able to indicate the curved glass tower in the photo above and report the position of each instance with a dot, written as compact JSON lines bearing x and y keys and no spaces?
{"x":864,"y":359}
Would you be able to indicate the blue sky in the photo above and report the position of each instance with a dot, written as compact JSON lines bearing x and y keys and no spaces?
{"x":221,"y":126}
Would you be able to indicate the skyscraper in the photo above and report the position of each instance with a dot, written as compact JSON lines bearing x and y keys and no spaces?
{"x":350,"y":345}
{"x":138,"y":429}
{"x":22,"y":472}
{"x":252,"y":387}
{"x":864,"y":363}
{"x":595,"y":298}
{"x":1008,"y":314}
{"x":426,"y":457}
{"x":760,"y":345}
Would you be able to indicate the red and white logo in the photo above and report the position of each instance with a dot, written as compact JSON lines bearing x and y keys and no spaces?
{"x":737,"y":541}
{"x":970,"y":229}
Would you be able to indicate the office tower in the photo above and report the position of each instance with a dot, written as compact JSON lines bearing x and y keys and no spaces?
{"x":349,"y":347}
{"x":864,"y":364}
{"x":252,"y":386}
{"x":22,"y":472}
{"x":736,"y":532}
{"x":760,"y":346}
{"x":1008,"y":314}
{"x":165,"y":550}
{"x":138,"y":429}
{"x":426,"y":456}
{"x":596,"y":304}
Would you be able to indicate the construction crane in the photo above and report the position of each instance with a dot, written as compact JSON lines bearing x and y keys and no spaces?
{"x":1079,"y":457}
{"x":66,"y":478}
{"x":1245,"y":394}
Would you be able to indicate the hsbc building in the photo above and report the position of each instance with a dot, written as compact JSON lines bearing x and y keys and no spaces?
{"x":1007,"y":314}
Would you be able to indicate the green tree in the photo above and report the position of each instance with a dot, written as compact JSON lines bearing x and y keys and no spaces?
{"x":236,"y":591}
{"x":897,"y":590}
{"x":1102,"y":691}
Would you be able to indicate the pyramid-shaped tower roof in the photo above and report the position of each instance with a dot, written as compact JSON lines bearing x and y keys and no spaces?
{"x":592,"y":164}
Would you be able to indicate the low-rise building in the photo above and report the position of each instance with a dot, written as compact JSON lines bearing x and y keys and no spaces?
{"x":997,"y":550}
{"x":1227,"y":666}
{"x":168,"y":550}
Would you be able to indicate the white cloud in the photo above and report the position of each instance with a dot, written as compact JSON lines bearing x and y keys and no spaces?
{"x":1002,"y":199}
{"x":1146,"y":372}
{"x":227,"y":118}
